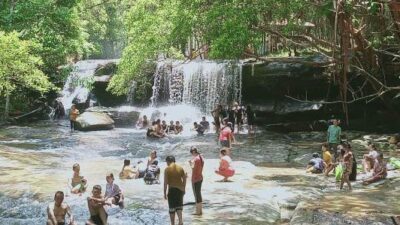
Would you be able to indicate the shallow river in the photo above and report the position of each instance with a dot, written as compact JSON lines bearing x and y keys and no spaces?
{"x":36,"y":160}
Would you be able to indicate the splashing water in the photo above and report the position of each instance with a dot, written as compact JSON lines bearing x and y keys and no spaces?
{"x":199,"y":83}
{"x":72,"y":88}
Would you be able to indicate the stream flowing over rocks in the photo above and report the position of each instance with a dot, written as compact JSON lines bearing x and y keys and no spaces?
{"x":270,"y":185}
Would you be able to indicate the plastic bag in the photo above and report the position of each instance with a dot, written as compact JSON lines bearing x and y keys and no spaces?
{"x":338,"y":172}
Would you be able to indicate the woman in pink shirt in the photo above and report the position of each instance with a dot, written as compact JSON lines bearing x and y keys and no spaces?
{"x":197,"y":164}
{"x":226,"y":135}
{"x":225,"y":168}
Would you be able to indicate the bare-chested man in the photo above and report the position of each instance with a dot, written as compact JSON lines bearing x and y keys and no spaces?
{"x":98,"y":215}
{"x":56,"y":211}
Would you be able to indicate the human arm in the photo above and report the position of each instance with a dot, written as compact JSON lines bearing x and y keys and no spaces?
{"x":184,"y":176}
{"x":50,"y":213}
{"x":69,"y":213}
{"x":165,"y":185}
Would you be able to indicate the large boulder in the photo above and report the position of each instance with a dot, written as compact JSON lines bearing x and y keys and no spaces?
{"x":125,"y":116}
{"x":89,"y":121}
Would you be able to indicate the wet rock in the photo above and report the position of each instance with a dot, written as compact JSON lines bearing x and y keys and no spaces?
{"x":89,"y":121}
{"x":122,"y":116}
{"x":287,"y":209}
{"x":298,"y":126}
{"x":306,"y":214}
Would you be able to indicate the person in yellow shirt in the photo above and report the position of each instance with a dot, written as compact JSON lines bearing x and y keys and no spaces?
{"x":327,"y":157}
{"x":73,"y":114}
{"x":175,"y":182}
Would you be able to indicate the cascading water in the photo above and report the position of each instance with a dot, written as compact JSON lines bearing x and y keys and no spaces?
{"x":199,"y":83}
{"x":73,"y":88}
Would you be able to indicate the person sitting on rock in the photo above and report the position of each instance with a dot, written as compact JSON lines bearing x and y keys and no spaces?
{"x":178,"y":127}
{"x":316,"y":164}
{"x":379,"y":170}
{"x":370,"y":158}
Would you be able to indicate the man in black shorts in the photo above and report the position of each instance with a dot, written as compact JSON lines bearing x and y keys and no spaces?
{"x":175,"y":182}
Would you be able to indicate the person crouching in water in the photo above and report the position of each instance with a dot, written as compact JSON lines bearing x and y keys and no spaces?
{"x":197,"y":164}
{"x":113,"y":193}
{"x":198,"y":128}
{"x":58,"y":210}
{"x":379,"y":171}
{"x":225,"y":165}
{"x":98,"y":215}
{"x":127,"y":171}
{"x":316,"y":164}
{"x":348,"y":166}
{"x":327,"y":157}
{"x":78,"y":183}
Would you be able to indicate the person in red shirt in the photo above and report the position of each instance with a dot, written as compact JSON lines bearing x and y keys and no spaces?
{"x":197,"y":164}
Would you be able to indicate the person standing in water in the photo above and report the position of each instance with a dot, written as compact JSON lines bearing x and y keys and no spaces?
{"x":197,"y":164}
{"x":348,"y":166}
{"x":216,"y":113}
{"x":333,"y":137}
{"x":73,"y":114}
{"x":250,"y":119}
{"x":205,"y":124}
{"x":57,"y":211}
{"x":175,"y":183}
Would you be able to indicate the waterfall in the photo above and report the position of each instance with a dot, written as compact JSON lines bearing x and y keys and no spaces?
{"x":200,"y":83}
{"x":74,"y":89}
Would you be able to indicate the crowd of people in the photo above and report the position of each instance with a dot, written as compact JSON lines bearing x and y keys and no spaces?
{"x":337,"y":156}
{"x":174,"y":187}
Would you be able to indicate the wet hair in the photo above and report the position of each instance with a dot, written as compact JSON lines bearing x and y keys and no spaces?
{"x":163,"y":121}
{"x":97,"y":187}
{"x":155,"y":153}
{"x":223,"y":151}
{"x":158,"y":121}
{"x":110,"y":175}
{"x":315,"y":155}
{"x":373,"y":146}
{"x":203,"y":117}
{"x":195,"y":123}
{"x":127,"y":162}
{"x":325,"y":145}
{"x":153,"y":123}
{"x":193,"y":150}
{"x":177,"y":122}
{"x":171,"y":121}
{"x":76,"y":165}
{"x":58,"y":193}
{"x":144,"y":116}
{"x":170,"y":159}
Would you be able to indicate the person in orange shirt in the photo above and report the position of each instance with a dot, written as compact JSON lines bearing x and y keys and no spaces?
{"x":73,"y":114}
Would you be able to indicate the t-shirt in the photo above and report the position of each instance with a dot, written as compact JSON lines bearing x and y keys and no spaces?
{"x":225,"y":134}
{"x":327,"y":157}
{"x":317,"y":163}
{"x":112,"y":190}
{"x":205,"y":124}
{"x":334,"y":134}
{"x":175,"y":175}
{"x":197,"y":171}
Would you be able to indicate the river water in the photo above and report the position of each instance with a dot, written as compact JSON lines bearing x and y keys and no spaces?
{"x":36,"y":160}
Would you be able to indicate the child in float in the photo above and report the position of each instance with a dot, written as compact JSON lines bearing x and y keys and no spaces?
{"x":78,"y":183}
{"x":113,"y":193}
{"x":225,"y":169}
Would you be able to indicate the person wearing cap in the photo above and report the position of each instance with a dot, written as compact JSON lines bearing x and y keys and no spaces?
{"x":316,"y":164}
{"x":175,"y":183}
{"x":197,"y":164}
{"x":348,"y":166}
{"x":333,"y":137}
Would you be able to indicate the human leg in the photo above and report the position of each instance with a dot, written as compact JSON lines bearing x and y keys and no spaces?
{"x":198,"y":197}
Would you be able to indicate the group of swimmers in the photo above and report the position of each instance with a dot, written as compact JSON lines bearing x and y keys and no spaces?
{"x":160,"y":129}
{"x":235,"y":115}
{"x":174,"y":188}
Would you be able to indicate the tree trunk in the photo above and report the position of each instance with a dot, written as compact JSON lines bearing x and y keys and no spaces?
{"x":6,"y":108}
{"x":394,"y":7}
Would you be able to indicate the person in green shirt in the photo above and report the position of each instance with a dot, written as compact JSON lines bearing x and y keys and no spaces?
{"x":333,"y":137}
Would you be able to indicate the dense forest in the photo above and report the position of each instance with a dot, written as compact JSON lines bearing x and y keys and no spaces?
{"x":361,"y":39}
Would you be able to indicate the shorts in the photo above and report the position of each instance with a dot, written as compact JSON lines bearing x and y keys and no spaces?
{"x":175,"y":199}
{"x":96,"y":219}
{"x":60,"y":223}
{"x":197,"y":191}
{"x":224,"y":143}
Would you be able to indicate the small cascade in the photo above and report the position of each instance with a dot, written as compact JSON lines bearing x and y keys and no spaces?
{"x":131,"y":93}
{"x":199,"y":83}
{"x":74,"y":90}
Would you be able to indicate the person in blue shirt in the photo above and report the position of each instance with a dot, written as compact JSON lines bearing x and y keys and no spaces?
{"x":333,"y":137}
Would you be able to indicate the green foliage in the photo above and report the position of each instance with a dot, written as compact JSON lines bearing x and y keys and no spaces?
{"x":19,"y":67}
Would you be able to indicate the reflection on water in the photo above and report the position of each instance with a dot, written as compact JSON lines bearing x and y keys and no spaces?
{"x":36,"y":161}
